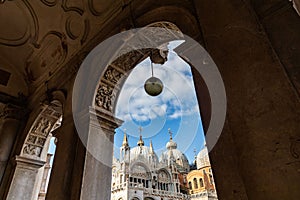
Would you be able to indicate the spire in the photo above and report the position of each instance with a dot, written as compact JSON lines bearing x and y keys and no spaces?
{"x":151,"y":147}
{"x":195,"y":156}
{"x":140,"y":142}
{"x":125,"y":140}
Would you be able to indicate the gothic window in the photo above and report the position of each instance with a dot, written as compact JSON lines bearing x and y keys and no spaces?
{"x":190,"y":185}
{"x":195,"y":183}
{"x":201,"y":182}
{"x":211,"y":179}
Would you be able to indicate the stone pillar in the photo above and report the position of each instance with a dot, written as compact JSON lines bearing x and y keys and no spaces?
{"x":96,"y":181}
{"x":257,"y":155}
{"x":45,"y":177}
{"x":10,"y":117}
{"x":23,"y":181}
{"x":66,"y":173}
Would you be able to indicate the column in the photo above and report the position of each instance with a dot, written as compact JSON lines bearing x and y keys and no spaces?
{"x":45,"y":176}
{"x":258,"y":150}
{"x":66,"y":174}
{"x":23,"y":181}
{"x":10,"y":121}
{"x":96,"y":182}
{"x":10,"y":117}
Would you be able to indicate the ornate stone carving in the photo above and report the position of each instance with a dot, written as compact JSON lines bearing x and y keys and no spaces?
{"x":41,"y":141}
{"x":49,"y":3}
{"x":43,"y":126}
{"x":127,"y":61}
{"x":37,"y":136}
{"x":32,"y":139}
{"x":113,"y":75}
{"x":32,"y":150}
{"x":105,"y":97}
{"x":163,"y":177}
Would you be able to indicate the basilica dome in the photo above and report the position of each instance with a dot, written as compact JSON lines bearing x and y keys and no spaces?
{"x":143,"y":152}
{"x":172,"y":153}
{"x":203,"y":159}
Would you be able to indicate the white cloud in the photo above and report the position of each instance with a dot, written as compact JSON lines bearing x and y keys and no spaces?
{"x":177,"y":99}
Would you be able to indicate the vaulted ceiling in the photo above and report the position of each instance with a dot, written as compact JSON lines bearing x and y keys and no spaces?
{"x":38,"y":37}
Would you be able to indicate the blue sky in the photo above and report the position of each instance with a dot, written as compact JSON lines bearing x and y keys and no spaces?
{"x":175,"y":108}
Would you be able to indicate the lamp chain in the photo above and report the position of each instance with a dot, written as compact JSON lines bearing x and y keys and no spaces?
{"x":151,"y":68}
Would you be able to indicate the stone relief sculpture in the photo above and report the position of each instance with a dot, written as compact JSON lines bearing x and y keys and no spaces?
{"x":47,"y":128}
{"x":105,"y":97}
{"x":37,"y":137}
{"x":41,"y":126}
{"x":32,"y":150}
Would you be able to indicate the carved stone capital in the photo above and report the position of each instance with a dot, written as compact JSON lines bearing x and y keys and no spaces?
{"x":98,"y":117}
{"x":29,"y":163}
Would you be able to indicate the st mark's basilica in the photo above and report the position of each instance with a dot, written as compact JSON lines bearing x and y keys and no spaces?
{"x":140,"y":174}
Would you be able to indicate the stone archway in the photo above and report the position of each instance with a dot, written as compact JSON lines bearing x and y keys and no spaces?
{"x":100,"y":117}
{"x":25,"y":183}
{"x":122,"y":53}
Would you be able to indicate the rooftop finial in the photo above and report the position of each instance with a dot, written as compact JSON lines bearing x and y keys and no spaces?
{"x":140,"y":142}
{"x":151,"y":147}
{"x":125,"y":140}
{"x":170,"y":132}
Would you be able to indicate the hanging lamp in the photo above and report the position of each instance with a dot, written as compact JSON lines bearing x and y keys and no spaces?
{"x":153,"y":86}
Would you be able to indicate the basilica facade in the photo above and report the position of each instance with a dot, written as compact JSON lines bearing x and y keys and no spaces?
{"x":139,"y":174}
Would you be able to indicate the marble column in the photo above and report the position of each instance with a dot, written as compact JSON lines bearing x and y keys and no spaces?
{"x":96,"y":182}
{"x":23,"y":181}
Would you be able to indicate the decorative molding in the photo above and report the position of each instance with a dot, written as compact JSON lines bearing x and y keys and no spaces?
{"x":49,"y":3}
{"x":29,"y":163}
{"x":86,"y":31}
{"x":32,"y":27}
{"x":92,"y":8}
{"x":67,"y":8}
{"x":77,"y":27}
{"x":69,"y":29}
{"x":35,"y":28}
